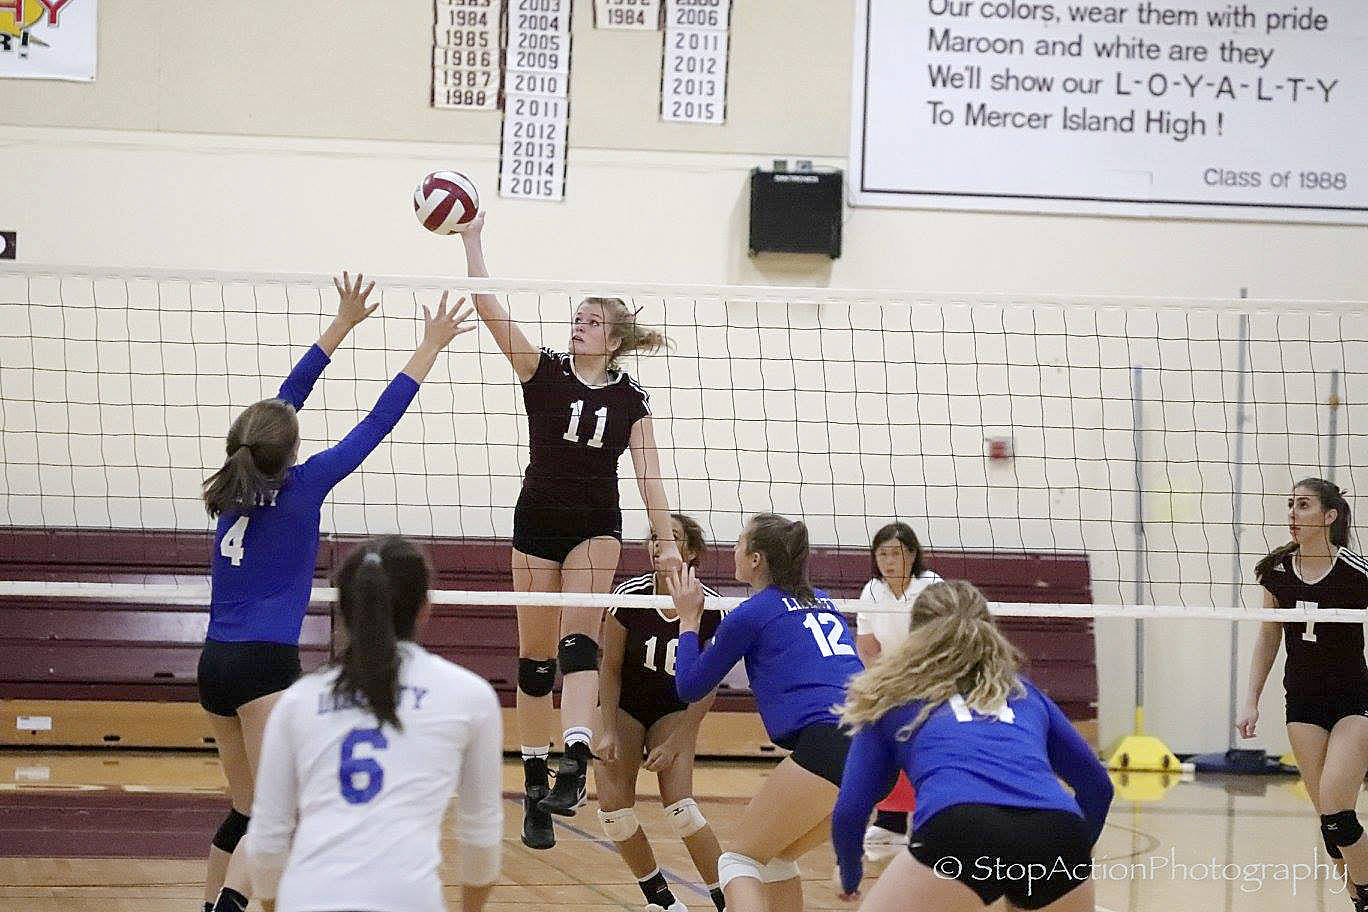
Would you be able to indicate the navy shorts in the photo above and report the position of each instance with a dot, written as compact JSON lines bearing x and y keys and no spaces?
{"x":1031,"y":856}
{"x":820,"y":749}
{"x":233,"y":674}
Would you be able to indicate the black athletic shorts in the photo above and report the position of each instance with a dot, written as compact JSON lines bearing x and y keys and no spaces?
{"x":820,"y":748}
{"x":233,"y":674}
{"x":648,"y":714}
{"x":1031,"y":856}
{"x":550,"y":528}
{"x":1325,"y":710}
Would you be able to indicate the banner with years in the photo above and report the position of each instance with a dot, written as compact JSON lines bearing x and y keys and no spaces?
{"x":48,"y":39}
{"x":1176,"y":108}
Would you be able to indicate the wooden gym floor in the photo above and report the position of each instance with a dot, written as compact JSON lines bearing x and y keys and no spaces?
{"x":106,"y":831}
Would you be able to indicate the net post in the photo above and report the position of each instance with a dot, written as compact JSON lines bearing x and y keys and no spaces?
{"x":1236,"y":512}
{"x":1138,"y":752}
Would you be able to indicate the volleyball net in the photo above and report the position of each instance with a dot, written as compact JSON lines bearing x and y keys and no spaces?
{"x":1156,"y":438}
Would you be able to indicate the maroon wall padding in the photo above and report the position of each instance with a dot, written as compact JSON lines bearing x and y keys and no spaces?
{"x":77,"y":649}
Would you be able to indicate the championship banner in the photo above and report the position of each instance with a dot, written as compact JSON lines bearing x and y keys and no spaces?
{"x":1175,"y":108}
{"x":47,"y":39}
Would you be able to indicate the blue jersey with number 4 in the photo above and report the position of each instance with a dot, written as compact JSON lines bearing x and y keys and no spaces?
{"x":798,"y":658}
{"x":263,"y":561}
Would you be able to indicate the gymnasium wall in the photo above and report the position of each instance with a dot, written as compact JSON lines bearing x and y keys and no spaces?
{"x":290,"y":139}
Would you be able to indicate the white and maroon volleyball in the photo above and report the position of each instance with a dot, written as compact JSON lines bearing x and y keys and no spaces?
{"x":445,"y":200}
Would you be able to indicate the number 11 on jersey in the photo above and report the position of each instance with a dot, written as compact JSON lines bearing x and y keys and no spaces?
{"x":600,"y":424}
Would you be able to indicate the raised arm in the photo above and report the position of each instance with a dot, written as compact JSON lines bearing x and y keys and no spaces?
{"x":479,"y":808}
{"x":522,"y":354}
{"x":275,"y":807}
{"x":337,"y":462}
{"x":1265,"y":654}
{"x":697,"y":670}
{"x":869,"y":771}
{"x":1075,"y":762}
{"x":646,"y":460}
{"x":351,"y":310}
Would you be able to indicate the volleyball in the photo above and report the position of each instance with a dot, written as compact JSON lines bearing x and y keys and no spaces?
{"x":445,"y":200}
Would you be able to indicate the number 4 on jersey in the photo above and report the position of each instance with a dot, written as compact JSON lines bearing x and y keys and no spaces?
{"x":232,"y":546}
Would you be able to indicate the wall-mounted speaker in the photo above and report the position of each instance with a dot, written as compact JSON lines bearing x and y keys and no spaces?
{"x":796,"y":211}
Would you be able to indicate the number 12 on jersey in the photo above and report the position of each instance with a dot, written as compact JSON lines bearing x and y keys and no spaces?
{"x":600,"y":424}
{"x":828,"y":641}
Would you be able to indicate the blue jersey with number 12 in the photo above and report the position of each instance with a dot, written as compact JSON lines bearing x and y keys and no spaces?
{"x":799,"y":659}
{"x":263,"y":561}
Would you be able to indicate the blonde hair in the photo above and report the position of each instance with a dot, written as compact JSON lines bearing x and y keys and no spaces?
{"x":954,"y":648}
{"x":622,"y":322}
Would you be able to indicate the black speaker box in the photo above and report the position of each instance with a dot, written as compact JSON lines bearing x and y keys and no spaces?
{"x":796,"y":211}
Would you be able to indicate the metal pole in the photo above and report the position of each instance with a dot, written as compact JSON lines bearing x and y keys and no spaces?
{"x":1137,"y":434}
{"x":1236,"y":512}
{"x":1334,"y":403}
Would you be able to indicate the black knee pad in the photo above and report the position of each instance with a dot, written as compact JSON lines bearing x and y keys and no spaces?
{"x":578,"y":652}
{"x":230,"y":832}
{"x":536,"y":677}
{"x":1340,"y":829}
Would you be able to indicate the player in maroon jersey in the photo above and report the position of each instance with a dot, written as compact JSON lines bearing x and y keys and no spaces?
{"x":1325,"y":677}
{"x":643,"y":716}
{"x":583,"y":412}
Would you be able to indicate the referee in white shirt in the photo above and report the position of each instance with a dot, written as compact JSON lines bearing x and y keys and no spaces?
{"x":361,"y":758}
{"x":900,"y":575}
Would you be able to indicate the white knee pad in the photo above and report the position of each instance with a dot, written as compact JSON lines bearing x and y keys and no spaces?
{"x":619,"y":826}
{"x":731,"y":865}
{"x":778,"y":870}
{"x":684,"y":818}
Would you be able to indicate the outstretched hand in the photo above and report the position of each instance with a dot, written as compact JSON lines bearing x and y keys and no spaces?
{"x":443,"y":326}
{"x":351,"y":303}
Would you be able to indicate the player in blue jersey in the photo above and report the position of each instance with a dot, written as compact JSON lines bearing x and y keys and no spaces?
{"x":265,"y":551}
{"x":583,"y":413}
{"x":799,"y":655}
{"x":985,"y":751}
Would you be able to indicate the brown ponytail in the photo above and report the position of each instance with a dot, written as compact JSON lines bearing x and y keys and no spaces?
{"x":381,"y":588}
{"x":784,"y":544}
{"x":261,"y":446}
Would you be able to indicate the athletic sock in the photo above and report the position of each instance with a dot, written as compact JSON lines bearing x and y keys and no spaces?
{"x":654,"y":888}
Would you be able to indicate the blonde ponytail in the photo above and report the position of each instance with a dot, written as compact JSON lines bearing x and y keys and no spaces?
{"x":623,"y":324}
{"x":954,"y":648}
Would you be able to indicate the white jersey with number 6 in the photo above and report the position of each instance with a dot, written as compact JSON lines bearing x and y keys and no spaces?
{"x":347,"y":814}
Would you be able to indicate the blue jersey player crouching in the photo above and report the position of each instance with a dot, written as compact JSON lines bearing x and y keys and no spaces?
{"x":799,"y":655}
{"x":265,"y":550}
{"x":985,"y":751}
